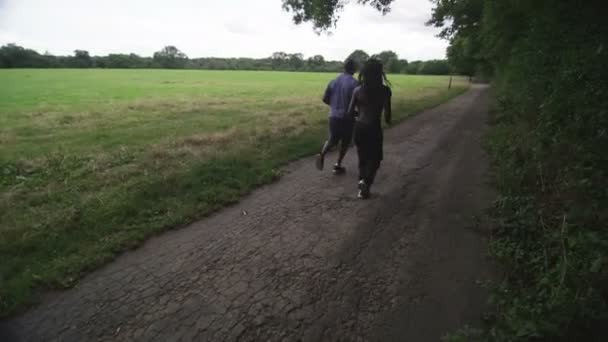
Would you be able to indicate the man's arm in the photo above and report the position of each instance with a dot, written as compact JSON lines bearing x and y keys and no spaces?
{"x":327,"y":95}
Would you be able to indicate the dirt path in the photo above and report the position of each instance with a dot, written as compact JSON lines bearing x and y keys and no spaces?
{"x":303,"y":259}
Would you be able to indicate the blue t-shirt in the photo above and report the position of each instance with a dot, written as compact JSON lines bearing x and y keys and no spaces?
{"x":338,"y":94}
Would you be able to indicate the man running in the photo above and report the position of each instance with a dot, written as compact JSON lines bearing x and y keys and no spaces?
{"x":338,"y":95}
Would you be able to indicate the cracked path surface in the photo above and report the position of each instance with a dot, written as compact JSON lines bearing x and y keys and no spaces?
{"x":308,"y":261}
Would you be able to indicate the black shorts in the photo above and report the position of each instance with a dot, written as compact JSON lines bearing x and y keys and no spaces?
{"x":368,"y":139}
{"x":340,"y":130}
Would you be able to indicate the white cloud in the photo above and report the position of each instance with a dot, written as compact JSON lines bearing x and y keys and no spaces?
{"x":228,"y":28}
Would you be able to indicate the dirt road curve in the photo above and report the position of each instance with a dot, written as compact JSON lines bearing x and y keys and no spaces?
{"x":303,"y":259}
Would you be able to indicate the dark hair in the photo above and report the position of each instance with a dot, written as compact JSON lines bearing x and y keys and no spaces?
{"x":372,"y":76}
{"x":350,"y":66}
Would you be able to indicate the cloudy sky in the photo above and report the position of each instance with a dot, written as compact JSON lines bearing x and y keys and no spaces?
{"x":221,"y":28}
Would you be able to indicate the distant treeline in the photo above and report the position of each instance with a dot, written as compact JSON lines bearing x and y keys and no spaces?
{"x":170,"y":57}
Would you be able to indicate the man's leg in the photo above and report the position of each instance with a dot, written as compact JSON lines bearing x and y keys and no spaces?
{"x":338,"y":168}
{"x":329,"y":144}
{"x":342,"y":153}
{"x":346,"y":138}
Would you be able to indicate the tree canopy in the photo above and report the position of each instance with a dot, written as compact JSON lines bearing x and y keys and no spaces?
{"x":386,"y":56}
{"x":391,"y":61}
{"x":170,"y":57}
{"x":359,"y":56}
{"x":324,"y":14}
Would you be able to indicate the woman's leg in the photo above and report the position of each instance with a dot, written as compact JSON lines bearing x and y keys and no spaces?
{"x":359,"y":143}
{"x":361,"y":168}
{"x":375,"y":154}
{"x":372,"y":169}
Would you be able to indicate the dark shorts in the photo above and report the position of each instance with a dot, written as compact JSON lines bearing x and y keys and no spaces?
{"x":368,"y":139}
{"x":340,"y":130}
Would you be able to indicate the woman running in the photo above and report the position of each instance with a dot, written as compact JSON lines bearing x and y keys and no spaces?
{"x":370,"y":99}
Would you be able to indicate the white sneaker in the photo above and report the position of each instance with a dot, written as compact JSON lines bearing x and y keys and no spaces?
{"x":363,"y":190}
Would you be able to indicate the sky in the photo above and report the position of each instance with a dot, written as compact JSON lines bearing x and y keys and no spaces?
{"x":213,"y":28}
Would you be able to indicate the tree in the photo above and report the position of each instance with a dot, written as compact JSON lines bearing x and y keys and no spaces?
{"x":403,"y":63}
{"x":82,"y":59}
{"x":296,"y":61}
{"x":434,"y":67}
{"x":324,"y":14}
{"x":390,"y":61}
{"x":359,"y":56}
{"x":118,"y":61}
{"x":170,"y":57}
{"x":333,"y":66}
{"x":246,"y":64}
{"x":461,"y":56}
{"x":456,"y":16}
{"x":316,"y":62}
{"x":393,"y":66}
{"x":386,"y":56}
{"x":279,"y":59}
{"x":15,"y":56}
{"x":101,"y":62}
{"x":460,"y":21}
{"x":413,"y":68}
{"x":217,"y":64}
{"x":279,"y":55}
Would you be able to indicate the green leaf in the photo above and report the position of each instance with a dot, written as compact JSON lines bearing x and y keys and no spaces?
{"x":596,"y":266}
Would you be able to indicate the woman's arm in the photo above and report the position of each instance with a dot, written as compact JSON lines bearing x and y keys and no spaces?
{"x":388,"y":111}
{"x":353,"y":103}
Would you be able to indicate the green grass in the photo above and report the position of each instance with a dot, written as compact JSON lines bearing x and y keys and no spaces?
{"x":92,"y":162}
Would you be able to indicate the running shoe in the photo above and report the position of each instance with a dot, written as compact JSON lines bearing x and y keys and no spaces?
{"x":363,"y":190}
{"x":339,"y":170}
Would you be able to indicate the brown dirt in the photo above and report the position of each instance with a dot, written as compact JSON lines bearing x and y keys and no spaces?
{"x":303,"y":259}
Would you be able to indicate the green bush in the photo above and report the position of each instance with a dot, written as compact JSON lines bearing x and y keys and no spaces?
{"x":549,"y":152}
{"x":548,"y":149}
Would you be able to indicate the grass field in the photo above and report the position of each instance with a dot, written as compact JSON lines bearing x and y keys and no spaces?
{"x":92,"y":162}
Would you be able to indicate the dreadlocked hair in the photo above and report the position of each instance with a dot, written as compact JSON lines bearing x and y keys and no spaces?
{"x":372,"y":77}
